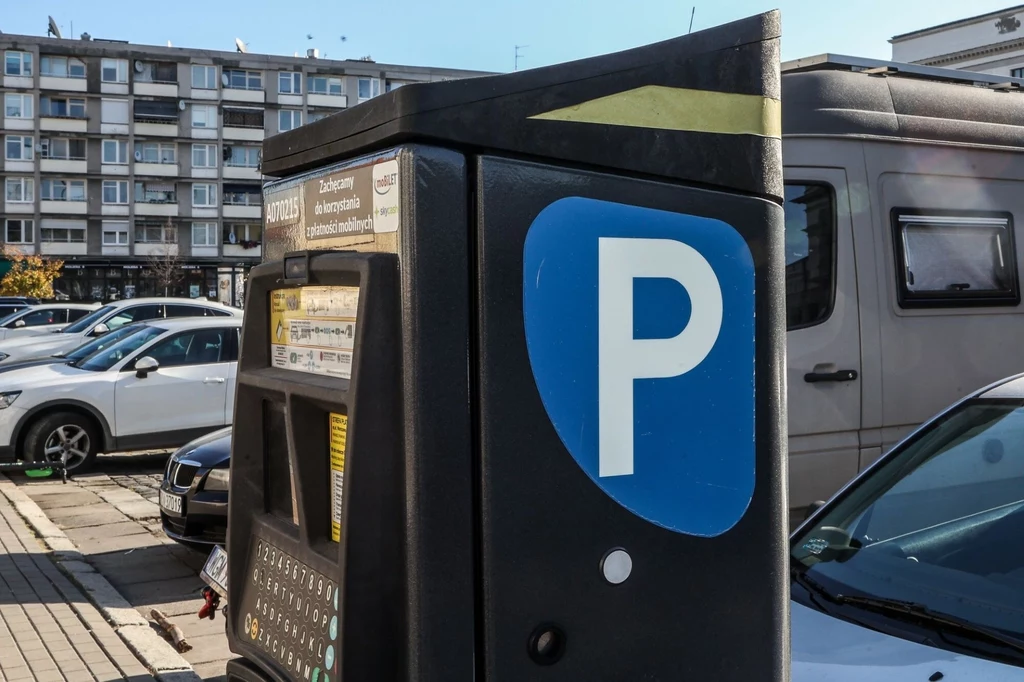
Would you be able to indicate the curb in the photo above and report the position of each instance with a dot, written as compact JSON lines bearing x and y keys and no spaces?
{"x":166,"y":664}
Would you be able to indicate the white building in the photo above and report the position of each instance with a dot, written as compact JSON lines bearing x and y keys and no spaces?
{"x":989,"y":43}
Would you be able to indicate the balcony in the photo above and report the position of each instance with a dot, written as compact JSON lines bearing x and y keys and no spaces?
{"x":18,"y":82}
{"x":114,"y":210}
{"x":153,"y":128}
{"x":19,"y":207}
{"x":328,"y":101}
{"x":161,"y":170}
{"x":243,"y":134}
{"x":156,"y":79}
{"x":244,"y":95}
{"x":157,"y":249}
{"x":157,"y":208}
{"x":11,"y":123}
{"x":237,"y":211}
{"x":240,"y":251}
{"x":63,"y":84}
{"x":64,"y":207}
{"x":242,"y":173}
{"x":71,"y":166}
{"x":63,"y":248}
{"x":63,"y":124}
{"x":114,"y":169}
{"x":156,"y":118}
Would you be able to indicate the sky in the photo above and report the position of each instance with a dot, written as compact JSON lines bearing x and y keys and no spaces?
{"x":480,"y":35}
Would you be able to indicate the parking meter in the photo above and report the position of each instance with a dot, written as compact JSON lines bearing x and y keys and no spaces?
{"x":510,"y":396}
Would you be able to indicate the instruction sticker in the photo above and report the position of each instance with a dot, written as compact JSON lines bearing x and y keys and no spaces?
{"x":312,"y":329}
{"x":339,"y":436}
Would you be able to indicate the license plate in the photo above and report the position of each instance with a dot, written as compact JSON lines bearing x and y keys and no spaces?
{"x":215,"y":572}
{"x":170,"y":503}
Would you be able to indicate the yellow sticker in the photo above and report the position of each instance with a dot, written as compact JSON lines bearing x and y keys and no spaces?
{"x":339,"y":436}
{"x":312,"y":329}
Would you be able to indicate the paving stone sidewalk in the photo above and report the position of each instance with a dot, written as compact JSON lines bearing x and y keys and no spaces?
{"x":49,"y":631}
{"x":113,"y":520}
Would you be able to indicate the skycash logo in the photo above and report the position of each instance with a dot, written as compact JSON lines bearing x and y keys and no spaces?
{"x":640,"y":332}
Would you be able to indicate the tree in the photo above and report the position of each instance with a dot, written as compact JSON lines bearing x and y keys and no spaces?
{"x":30,"y":275}
{"x":165,"y":263}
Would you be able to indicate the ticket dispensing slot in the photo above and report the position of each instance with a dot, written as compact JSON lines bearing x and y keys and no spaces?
{"x":329,"y":338}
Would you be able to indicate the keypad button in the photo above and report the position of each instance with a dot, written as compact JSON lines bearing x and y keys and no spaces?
{"x":330,"y":591}
{"x":333,"y":628}
{"x":316,"y":616}
{"x":329,"y":657}
{"x":323,"y":621}
{"x":311,"y":648}
{"x":320,"y":586}
{"x":320,"y":645}
{"x":312,"y":578}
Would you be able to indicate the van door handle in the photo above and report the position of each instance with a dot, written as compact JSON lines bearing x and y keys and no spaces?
{"x":213,"y":380}
{"x":839,"y":375}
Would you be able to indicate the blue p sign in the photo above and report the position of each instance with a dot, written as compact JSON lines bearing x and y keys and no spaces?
{"x":640,"y":332}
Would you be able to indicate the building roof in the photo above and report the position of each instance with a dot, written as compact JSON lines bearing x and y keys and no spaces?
{"x":823,"y":97}
{"x":97,"y":47}
{"x":957,"y":23}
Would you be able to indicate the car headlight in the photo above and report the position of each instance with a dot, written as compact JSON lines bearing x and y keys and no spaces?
{"x":7,"y":399}
{"x":217,"y":479}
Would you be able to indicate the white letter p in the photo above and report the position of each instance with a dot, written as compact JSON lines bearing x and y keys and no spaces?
{"x":621,"y":358}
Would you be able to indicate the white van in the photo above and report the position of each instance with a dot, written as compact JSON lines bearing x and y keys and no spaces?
{"x":903,"y":188}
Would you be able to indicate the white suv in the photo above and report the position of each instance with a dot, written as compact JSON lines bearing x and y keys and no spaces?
{"x":160,"y":386}
{"x":108,"y":318}
{"x":43,"y":319}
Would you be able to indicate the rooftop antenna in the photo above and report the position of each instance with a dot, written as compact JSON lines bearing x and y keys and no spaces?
{"x":692,"y":12}
{"x":52,"y":28}
{"x":240,"y":46}
{"x":518,"y":47}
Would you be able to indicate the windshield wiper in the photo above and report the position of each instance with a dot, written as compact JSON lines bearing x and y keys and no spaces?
{"x":944,"y":622}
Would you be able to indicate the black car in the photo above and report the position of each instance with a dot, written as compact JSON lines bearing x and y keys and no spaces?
{"x":194,"y":492}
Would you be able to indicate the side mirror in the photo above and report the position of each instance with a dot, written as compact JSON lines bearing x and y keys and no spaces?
{"x":19,"y":323}
{"x":813,"y":507}
{"x":145,"y":365}
{"x":100,"y":329}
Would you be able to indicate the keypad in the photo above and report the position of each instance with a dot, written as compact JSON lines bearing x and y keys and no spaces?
{"x":291,"y":612}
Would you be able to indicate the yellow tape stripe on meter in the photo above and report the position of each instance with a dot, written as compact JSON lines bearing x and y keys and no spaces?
{"x":339,"y":436}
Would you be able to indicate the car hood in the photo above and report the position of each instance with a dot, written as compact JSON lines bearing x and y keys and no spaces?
{"x":38,"y":346}
{"x":210,"y":451}
{"x":36,"y":362}
{"x":827,"y":649}
{"x":34,"y":377}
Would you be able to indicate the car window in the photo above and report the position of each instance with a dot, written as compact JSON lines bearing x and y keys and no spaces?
{"x":36,"y":318}
{"x":215,"y":312}
{"x":101,"y":342}
{"x":75,"y":314}
{"x":89,"y":321}
{"x":182,"y":310}
{"x":105,"y":359}
{"x":136,"y":313}
{"x":9,"y":308}
{"x":195,"y":347}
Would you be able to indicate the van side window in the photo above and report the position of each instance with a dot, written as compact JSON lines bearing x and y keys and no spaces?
{"x":810,"y":253}
{"x":954,"y":258}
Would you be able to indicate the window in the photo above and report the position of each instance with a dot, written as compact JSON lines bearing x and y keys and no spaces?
{"x":204,"y":234}
{"x":114,"y":71}
{"x":249,"y":234}
{"x":18,"y":106}
{"x":244,"y":157}
{"x":288,"y":119}
{"x":204,"y":116}
{"x":18,"y":147}
{"x":62,"y":107}
{"x":289,"y":83}
{"x":63,"y":148}
{"x":204,"y":195}
{"x":325,"y":85}
{"x":204,"y":77}
{"x":236,"y":79}
{"x":316,"y":115}
{"x":155,"y":233}
{"x":153,"y":111}
{"x":810,"y":253}
{"x":115,"y":233}
{"x":1017,"y":73}
{"x":157,"y":152}
{"x":61,"y":67}
{"x":368,"y":88}
{"x":198,"y":347}
{"x":17,"y":63}
{"x":157,"y":72}
{"x":204,"y":156}
{"x":954,"y":258}
{"x":393,"y":85}
{"x":65,"y":232}
{"x":242,"y":195}
{"x":115,"y":191}
{"x":62,"y":190}
{"x":155,"y":193}
{"x":20,"y":190}
{"x":243,"y":118}
{"x":114,"y":111}
{"x":19,"y":232}
{"x":115,"y":151}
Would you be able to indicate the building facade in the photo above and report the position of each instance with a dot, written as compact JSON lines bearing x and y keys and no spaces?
{"x":990,"y":43}
{"x":139,"y":166}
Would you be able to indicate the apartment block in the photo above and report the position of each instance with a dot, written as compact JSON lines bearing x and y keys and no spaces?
{"x":123,"y":160}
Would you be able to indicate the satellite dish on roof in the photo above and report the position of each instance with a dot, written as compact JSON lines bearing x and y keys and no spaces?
{"x":52,"y":28}
{"x":240,"y":46}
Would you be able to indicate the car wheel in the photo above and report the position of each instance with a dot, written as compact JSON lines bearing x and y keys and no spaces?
{"x":63,"y":432}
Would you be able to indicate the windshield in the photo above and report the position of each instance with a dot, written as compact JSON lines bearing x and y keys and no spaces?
{"x":940,"y":524}
{"x":89,"y":321}
{"x":101,"y":342}
{"x":105,"y":359}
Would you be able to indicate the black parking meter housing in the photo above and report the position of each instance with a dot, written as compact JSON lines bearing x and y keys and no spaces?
{"x":510,"y":395}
